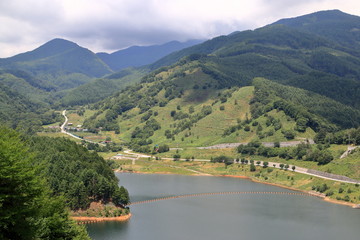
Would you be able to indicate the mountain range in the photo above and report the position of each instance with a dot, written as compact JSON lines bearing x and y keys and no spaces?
{"x":61,"y":64}
{"x":316,"y":55}
{"x":321,"y":66}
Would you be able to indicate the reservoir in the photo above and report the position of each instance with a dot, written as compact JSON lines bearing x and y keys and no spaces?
{"x":224,"y":216}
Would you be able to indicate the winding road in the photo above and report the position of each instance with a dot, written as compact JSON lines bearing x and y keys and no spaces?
{"x":62,"y":127}
{"x":311,"y":172}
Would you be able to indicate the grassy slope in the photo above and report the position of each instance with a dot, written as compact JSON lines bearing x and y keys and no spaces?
{"x":209,"y":130}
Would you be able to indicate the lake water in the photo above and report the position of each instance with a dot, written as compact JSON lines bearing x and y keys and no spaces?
{"x":220,"y":217}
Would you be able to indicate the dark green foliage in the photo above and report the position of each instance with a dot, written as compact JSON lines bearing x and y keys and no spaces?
{"x":222,"y":159}
{"x":17,"y":111}
{"x":322,"y":188}
{"x":99,"y":89}
{"x":349,"y":136}
{"x":72,"y":171}
{"x":27,"y":209}
{"x":289,"y":134}
{"x":322,"y":157}
{"x":121,"y":196}
{"x":302,"y":151}
{"x":60,"y":63}
{"x":332,"y":24}
{"x":163,"y":148}
{"x":252,"y":167}
{"x":307,"y":108}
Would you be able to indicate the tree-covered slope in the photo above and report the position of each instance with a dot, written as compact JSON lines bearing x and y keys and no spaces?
{"x":324,"y":76}
{"x":190,"y":105}
{"x":28,"y":210}
{"x":80,"y":176}
{"x":60,"y":63}
{"x":99,"y":89}
{"x":22,"y":112}
{"x":308,"y":108}
{"x":289,"y":55}
{"x":332,"y":24}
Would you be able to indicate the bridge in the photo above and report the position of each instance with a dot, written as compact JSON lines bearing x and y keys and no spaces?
{"x":220,"y":193}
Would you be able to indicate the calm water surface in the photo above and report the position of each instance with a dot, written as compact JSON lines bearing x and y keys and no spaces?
{"x":220,"y":217}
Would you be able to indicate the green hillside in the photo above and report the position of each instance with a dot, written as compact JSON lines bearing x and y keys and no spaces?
{"x":195,"y":101}
{"x":310,"y":109}
{"x":289,"y":55}
{"x":28,"y":208}
{"x":99,"y":89}
{"x":58,"y":63}
{"x":183,"y":106}
{"x":332,"y":24}
{"x":24,"y":113}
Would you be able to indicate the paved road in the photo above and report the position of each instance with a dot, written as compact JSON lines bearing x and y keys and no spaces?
{"x":348,"y":151}
{"x":311,"y":172}
{"x":73,"y":135}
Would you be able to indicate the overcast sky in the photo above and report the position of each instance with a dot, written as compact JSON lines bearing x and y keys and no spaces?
{"x":109,"y":25}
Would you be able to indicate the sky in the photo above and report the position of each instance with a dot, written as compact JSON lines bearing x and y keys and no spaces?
{"x":110,"y":25}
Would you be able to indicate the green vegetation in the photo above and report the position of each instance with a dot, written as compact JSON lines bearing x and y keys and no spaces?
{"x":302,"y":151}
{"x":28,"y":208}
{"x":307,"y":108}
{"x":275,"y":84}
{"x":77,"y":174}
{"x":99,"y":89}
{"x":57,"y":63}
{"x":18,"y":111}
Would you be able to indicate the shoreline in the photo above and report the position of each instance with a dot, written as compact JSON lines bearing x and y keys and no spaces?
{"x":315,"y":194}
{"x":85,"y":220}
{"x":312,"y":193}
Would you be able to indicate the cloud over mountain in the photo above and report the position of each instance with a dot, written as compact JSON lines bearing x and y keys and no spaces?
{"x":110,"y":25}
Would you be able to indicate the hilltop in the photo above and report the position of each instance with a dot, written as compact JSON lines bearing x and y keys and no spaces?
{"x":207,"y":96}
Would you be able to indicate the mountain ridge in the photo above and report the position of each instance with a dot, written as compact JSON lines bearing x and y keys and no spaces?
{"x":136,"y":56}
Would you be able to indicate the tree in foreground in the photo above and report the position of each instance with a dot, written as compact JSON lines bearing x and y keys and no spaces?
{"x":27,"y":211}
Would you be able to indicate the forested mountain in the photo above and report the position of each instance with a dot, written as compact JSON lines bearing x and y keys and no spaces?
{"x":287,"y":55}
{"x":208,"y":74}
{"x":99,"y":89}
{"x":23,"y":113}
{"x":137,"y":56}
{"x":333,"y":25}
{"x":60,"y":63}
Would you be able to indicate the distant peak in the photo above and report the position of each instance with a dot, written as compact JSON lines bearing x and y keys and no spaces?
{"x":320,"y":16}
{"x":61,"y":41}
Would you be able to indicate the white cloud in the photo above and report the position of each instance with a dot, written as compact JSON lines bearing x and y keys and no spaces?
{"x":113,"y":24}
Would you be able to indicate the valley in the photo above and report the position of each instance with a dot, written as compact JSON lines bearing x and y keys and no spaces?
{"x":279,"y":105}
